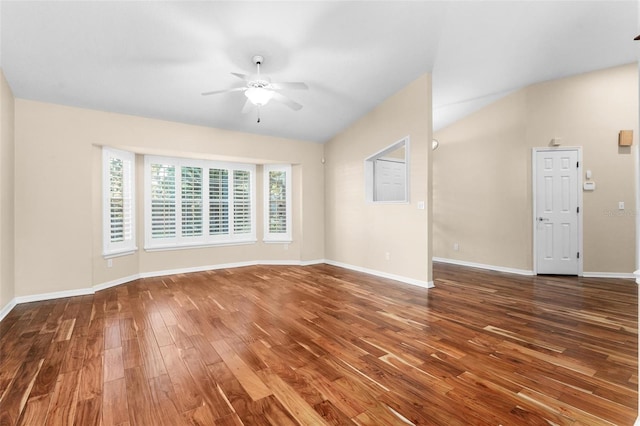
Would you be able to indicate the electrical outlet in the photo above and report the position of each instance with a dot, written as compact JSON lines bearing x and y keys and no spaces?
{"x":456,"y":246}
{"x":620,"y":205}
{"x":387,"y":255}
{"x":109,"y":263}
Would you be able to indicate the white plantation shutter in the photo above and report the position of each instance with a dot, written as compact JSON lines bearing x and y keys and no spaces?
{"x":117,"y":188}
{"x":191,"y":188}
{"x":197,"y":203}
{"x":118,"y":202}
{"x":163,"y":200}
{"x":218,"y":201}
{"x":277,"y":202}
{"x":277,"y":199}
{"x":241,"y":202}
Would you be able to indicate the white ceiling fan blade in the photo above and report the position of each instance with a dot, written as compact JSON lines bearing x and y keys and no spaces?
{"x":241,"y":76}
{"x":298,"y":85}
{"x":215,"y":92}
{"x":288,"y":102}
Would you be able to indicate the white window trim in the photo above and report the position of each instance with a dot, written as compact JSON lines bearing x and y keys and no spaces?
{"x":128,"y":246}
{"x":205,"y":240}
{"x":269,"y":237}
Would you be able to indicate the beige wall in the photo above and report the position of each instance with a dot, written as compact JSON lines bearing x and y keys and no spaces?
{"x":359,"y":233}
{"x":7,"y":277}
{"x":481,"y":185}
{"x":482,"y":171}
{"x":58,"y":198}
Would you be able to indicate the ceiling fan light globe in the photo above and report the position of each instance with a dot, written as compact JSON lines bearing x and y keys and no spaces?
{"x":259,"y":96}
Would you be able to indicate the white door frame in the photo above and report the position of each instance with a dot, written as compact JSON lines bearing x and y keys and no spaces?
{"x":534,"y":152}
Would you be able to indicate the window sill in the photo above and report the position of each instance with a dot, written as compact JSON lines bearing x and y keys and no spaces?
{"x":198,"y":245}
{"x":121,"y":253}
{"x":286,"y":241}
{"x":389,"y":202}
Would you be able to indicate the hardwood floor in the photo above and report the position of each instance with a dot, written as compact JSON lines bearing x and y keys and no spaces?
{"x":322,"y":345}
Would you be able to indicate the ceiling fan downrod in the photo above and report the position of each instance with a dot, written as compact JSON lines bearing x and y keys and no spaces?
{"x":257,"y":59}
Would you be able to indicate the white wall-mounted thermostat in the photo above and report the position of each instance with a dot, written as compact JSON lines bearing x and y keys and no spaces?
{"x":589,"y":186}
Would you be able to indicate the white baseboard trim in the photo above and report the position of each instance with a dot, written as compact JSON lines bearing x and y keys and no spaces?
{"x":625,"y":275}
{"x":103,"y":286}
{"x":312,"y":262}
{"x":7,"y":308}
{"x":116,"y":282}
{"x":425,"y":284}
{"x":227,"y":266}
{"x":483,"y":266}
{"x":406,"y":280}
{"x":154,"y":274}
{"x":43,"y":296}
{"x":54,"y":295}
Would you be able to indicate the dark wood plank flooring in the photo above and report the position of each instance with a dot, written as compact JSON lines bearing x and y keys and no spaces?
{"x":322,"y":345}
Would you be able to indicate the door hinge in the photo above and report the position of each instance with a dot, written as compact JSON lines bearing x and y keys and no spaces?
{"x":577,"y":164}
{"x":578,"y":255}
{"x":578,"y":209}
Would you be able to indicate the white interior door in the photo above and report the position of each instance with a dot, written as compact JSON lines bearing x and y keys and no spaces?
{"x":389,"y":180}
{"x":557,"y":232}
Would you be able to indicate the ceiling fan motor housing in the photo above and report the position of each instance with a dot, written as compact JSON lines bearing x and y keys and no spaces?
{"x":259,"y":84}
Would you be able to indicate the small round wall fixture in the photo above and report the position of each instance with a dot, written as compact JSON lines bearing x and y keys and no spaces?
{"x":435,"y":144}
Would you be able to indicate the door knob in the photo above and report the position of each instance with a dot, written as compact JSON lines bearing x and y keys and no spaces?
{"x":543,"y":219}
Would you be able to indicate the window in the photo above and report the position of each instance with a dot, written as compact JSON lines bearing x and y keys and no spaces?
{"x":197,"y":203}
{"x":277,"y":208}
{"x":118,"y":191}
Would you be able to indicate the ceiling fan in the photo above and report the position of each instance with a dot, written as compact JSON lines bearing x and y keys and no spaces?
{"x":259,"y":89}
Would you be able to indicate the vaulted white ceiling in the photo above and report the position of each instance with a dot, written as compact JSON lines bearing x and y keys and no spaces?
{"x":154,"y":59}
